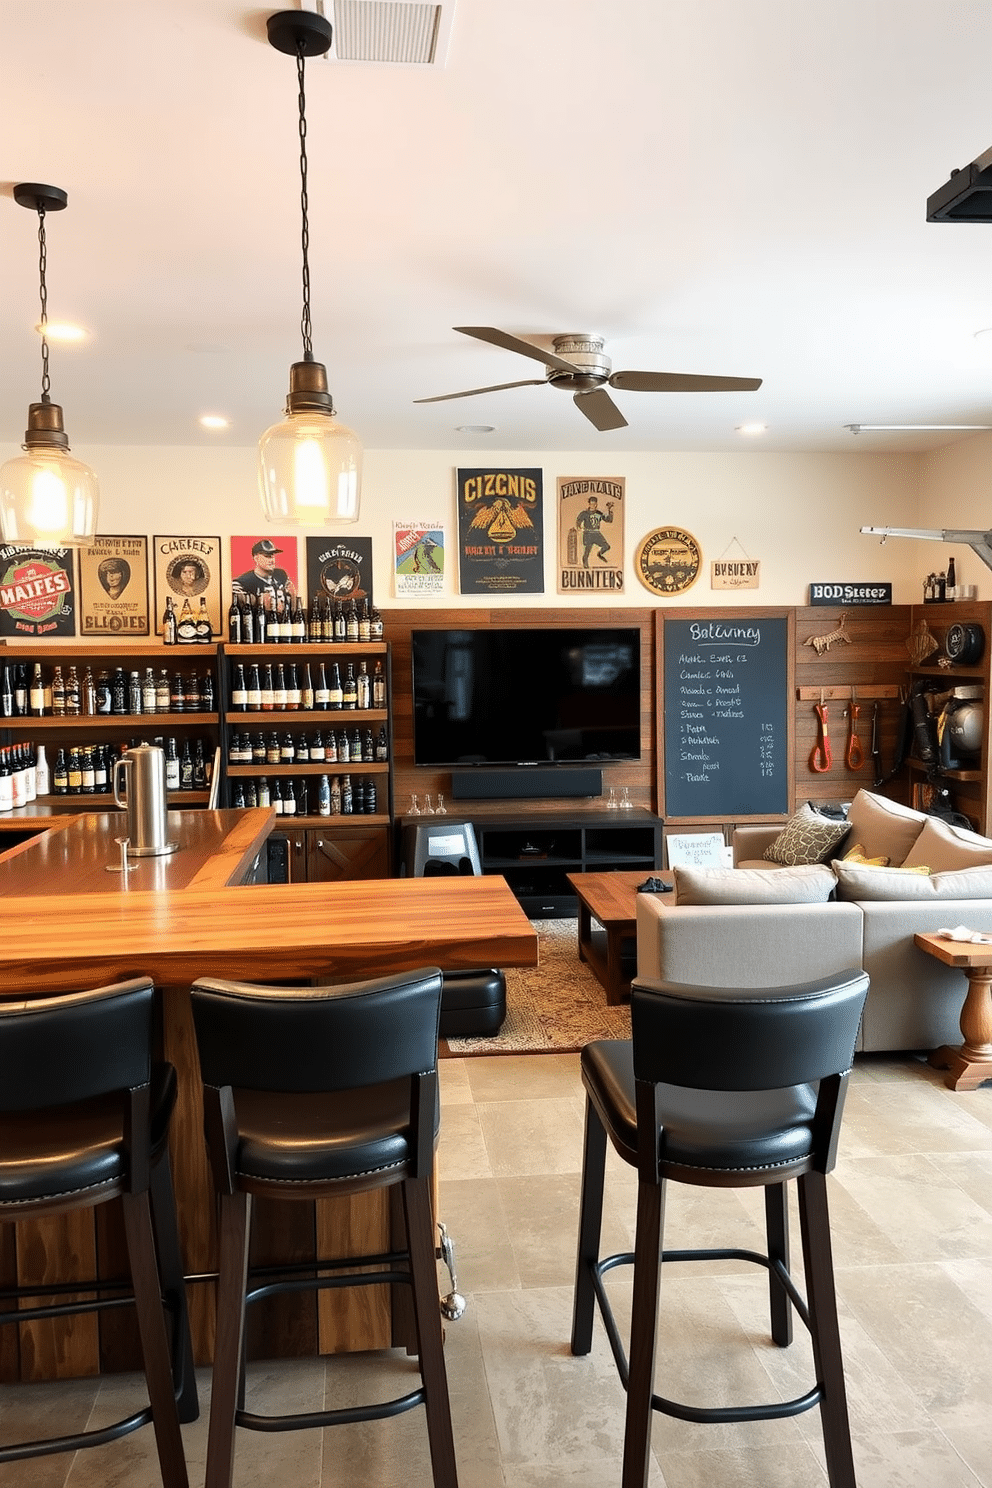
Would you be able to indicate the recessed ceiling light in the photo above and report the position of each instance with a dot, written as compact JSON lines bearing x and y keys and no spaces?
{"x":62,"y":331}
{"x":752,"y":429}
{"x":475,"y":428}
{"x":214,"y":421}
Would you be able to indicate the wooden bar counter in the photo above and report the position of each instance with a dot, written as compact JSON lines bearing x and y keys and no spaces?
{"x":68,"y":923}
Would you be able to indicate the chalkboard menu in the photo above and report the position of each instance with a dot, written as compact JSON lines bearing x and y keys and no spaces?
{"x":725,"y":716}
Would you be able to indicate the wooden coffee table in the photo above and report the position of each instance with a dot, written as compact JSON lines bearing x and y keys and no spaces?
{"x":970,"y":1063}
{"x":610,"y":899}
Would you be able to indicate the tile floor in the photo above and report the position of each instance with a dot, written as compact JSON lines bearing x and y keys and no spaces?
{"x":912,"y":1225}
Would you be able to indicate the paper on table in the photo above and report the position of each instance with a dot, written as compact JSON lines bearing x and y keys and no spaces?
{"x":961,"y":932}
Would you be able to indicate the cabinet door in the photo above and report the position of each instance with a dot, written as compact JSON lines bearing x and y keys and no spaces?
{"x":347,"y":852}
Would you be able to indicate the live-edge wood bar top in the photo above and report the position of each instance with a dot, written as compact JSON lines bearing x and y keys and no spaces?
{"x":70,"y":855}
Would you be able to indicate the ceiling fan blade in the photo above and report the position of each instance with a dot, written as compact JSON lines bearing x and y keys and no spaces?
{"x":514,"y":343}
{"x":681,"y":382}
{"x":471,"y":392}
{"x":600,"y":409}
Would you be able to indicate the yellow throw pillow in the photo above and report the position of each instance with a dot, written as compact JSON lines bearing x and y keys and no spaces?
{"x":857,"y":855}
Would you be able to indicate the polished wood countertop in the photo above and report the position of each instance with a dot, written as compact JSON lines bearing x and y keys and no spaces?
{"x":72,"y":855}
{"x":358,"y":928}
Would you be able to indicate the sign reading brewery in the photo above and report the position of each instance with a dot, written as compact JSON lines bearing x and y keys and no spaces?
{"x":500,"y":531}
{"x":590,"y":533}
{"x":37,"y":595}
{"x":113,"y":587}
{"x":735,"y":573}
{"x":832,"y":595}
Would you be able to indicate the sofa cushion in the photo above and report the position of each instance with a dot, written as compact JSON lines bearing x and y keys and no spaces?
{"x":806,"y":838}
{"x":857,"y":854}
{"x":883,"y":827}
{"x":808,"y":884}
{"x":857,"y":882}
{"x":941,"y":846}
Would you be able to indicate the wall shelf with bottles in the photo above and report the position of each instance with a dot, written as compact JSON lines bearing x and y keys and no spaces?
{"x":73,"y":708}
{"x":306,"y":729}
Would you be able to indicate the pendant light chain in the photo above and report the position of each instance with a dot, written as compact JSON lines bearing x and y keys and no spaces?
{"x":46,"y":381}
{"x":305,"y":326}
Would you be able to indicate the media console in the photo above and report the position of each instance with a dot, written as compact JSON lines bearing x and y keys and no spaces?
{"x":535,"y":851}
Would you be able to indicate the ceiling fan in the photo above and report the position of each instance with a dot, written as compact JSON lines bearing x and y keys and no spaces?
{"x":579,"y":366}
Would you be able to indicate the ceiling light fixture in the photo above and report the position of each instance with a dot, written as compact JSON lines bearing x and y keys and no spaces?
{"x":213,"y":421}
{"x":911,"y":428}
{"x":61,"y":331}
{"x":475,"y":428}
{"x":751,"y":429}
{"x":45,"y":495}
{"x":310,"y":466}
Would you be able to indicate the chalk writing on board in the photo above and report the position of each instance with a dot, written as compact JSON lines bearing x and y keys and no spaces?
{"x":725,"y":729}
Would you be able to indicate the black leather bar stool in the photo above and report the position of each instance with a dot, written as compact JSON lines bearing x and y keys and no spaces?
{"x":309,"y":1093}
{"x":84,"y":1118}
{"x":473,"y":1003}
{"x":725,"y":1089}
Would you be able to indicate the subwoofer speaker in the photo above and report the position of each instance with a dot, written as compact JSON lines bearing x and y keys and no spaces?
{"x":510,"y":785}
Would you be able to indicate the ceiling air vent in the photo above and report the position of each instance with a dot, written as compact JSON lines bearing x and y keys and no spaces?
{"x":398,"y":31}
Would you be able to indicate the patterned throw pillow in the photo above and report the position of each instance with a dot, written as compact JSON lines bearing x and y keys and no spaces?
{"x":806,"y":837}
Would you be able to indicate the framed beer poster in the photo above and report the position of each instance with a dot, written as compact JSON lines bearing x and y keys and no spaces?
{"x":501,"y":531}
{"x":113,"y":587}
{"x":188,"y":569}
{"x":339,"y":568}
{"x":590,"y":533}
{"x":37,"y":591}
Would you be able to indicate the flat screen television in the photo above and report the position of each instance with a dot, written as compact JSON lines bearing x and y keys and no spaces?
{"x":508,"y":696}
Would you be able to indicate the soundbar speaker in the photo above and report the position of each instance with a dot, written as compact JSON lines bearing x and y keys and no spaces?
{"x":521,"y":784}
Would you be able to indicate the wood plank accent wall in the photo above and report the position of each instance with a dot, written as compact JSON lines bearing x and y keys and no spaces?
{"x":409,"y":778}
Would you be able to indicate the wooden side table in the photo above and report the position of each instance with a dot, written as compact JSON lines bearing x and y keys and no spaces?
{"x":971,"y":1063}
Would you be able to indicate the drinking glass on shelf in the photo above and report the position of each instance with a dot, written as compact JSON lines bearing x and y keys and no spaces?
{"x":414,"y":809}
{"x":428,"y":808}
{"x":611,"y":800}
{"x":440,"y":809}
{"x":626,"y":804}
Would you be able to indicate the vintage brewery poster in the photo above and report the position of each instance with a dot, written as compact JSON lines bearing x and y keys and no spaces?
{"x":339,"y":568}
{"x":590,"y":533}
{"x":113,"y":587}
{"x":500,"y":531}
{"x":37,"y":594}
{"x":418,"y":558}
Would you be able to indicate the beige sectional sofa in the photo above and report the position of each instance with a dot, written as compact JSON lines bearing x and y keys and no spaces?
{"x":743,"y":927}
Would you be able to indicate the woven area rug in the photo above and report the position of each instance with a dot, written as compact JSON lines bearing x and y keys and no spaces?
{"x":552,"y":1008}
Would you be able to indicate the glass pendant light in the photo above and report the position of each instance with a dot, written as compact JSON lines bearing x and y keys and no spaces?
{"x":310,"y":466}
{"x":46,"y":496}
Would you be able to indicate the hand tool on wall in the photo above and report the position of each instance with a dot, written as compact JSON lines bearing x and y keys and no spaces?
{"x":821,"y":757}
{"x":876,"y":749}
{"x":854,"y":756}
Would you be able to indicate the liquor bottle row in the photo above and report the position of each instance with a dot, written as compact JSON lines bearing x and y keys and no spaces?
{"x":324,"y":795}
{"x":74,"y":692}
{"x":275,"y":616}
{"x":88,"y":769}
{"x":266,"y":686}
{"x":186,"y":628}
{"x":331,"y":746}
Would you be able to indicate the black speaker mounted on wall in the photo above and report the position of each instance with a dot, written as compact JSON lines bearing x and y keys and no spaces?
{"x":520,"y":784}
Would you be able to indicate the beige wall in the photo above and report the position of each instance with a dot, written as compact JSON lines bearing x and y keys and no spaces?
{"x":956,"y":491}
{"x":799,"y":514}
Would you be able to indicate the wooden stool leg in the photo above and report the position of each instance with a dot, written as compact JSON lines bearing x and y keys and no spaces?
{"x":777,"y":1232}
{"x":590,"y":1226}
{"x":824,"y":1328}
{"x":643,"y":1332}
{"x":170,"y":1264}
{"x":420,"y":1240}
{"x":154,"y":1338}
{"x":235,"y":1218}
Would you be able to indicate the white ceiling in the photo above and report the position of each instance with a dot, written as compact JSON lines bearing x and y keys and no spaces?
{"x":716,"y":186}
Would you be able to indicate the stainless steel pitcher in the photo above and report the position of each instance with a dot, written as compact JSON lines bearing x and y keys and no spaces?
{"x":141,"y":774}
